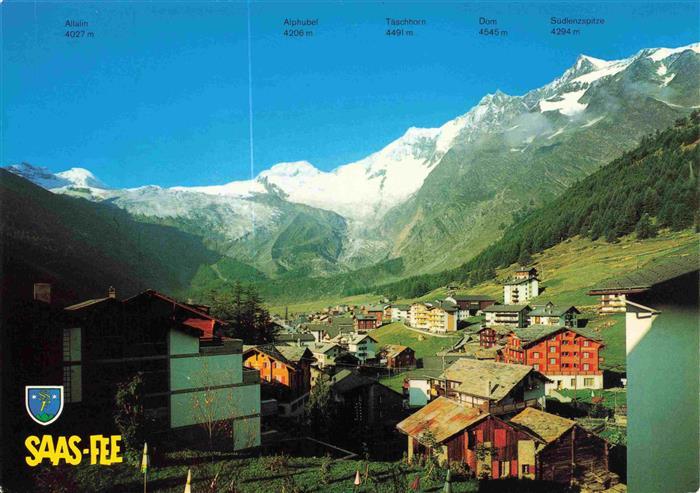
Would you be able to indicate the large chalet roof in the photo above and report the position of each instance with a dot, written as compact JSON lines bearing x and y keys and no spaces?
{"x":651,"y":274}
{"x":538,"y":331}
{"x":551,"y":310}
{"x":545,"y":426}
{"x":190,"y":318}
{"x":443,"y":418}
{"x":506,"y":308}
{"x":362,"y":316}
{"x":486,"y":379}
{"x":288,"y":355}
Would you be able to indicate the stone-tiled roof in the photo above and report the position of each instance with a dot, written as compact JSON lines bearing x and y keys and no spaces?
{"x":294,"y":353}
{"x":550,"y":310}
{"x":443,"y":418}
{"x":653,"y":273}
{"x":513,"y":281}
{"x":548,"y":427}
{"x":538,"y":331}
{"x":289,"y":355}
{"x":282,"y":337}
{"x":506,"y":308}
{"x":393,"y":350}
{"x":486,"y":379}
{"x":323,"y":348}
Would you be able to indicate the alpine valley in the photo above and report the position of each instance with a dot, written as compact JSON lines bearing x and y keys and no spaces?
{"x":429,"y":201}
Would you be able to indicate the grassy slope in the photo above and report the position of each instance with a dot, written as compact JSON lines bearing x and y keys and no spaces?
{"x":568,"y":271}
{"x":423,"y":345}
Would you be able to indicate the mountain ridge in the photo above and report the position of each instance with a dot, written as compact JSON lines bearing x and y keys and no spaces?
{"x":450,"y":189}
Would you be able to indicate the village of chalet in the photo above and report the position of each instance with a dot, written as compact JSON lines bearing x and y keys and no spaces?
{"x":498,"y":402}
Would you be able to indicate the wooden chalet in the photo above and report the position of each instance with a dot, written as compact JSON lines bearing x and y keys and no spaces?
{"x":498,"y":388}
{"x":289,"y":366}
{"x":398,"y":356}
{"x":569,"y":357}
{"x":532,"y":445}
{"x":564,"y":452}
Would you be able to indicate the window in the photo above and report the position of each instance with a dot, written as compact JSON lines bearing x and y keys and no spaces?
{"x":565,"y":365}
{"x":586,"y":355}
{"x":504,"y":468}
{"x":537,"y":367}
{"x":552,"y":349}
{"x":565,"y":342}
{"x":586,"y":343}
{"x":565,"y":353}
{"x":535,"y":354}
{"x":586,"y":366}
{"x":588,"y":382}
{"x":552,"y":361}
{"x":526,"y":468}
{"x":573,"y":382}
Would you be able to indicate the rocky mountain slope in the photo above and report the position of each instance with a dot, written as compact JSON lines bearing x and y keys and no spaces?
{"x":434,"y":197}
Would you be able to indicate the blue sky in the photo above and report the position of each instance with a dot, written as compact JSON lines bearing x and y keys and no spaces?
{"x":160,"y":94}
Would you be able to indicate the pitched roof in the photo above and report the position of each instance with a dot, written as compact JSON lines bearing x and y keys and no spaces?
{"x":501,"y":330}
{"x":474,"y":376}
{"x":357,"y":338}
{"x":442,"y":417}
{"x":275,"y":352}
{"x":651,"y":274}
{"x":548,"y":427}
{"x":401,"y":307}
{"x":294,"y":337}
{"x":393,"y":350}
{"x":538,"y":331}
{"x":506,"y":308}
{"x":87,"y":303}
{"x":323,"y":348}
{"x":551,"y":310}
{"x":346,"y":380}
{"x":362,"y":316}
{"x":295,"y":353}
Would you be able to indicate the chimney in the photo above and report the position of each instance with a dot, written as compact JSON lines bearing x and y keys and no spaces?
{"x":111,"y":293}
{"x":488,"y":388}
{"x":42,"y":292}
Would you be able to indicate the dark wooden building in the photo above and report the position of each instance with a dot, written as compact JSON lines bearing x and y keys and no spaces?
{"x":532,"y":445}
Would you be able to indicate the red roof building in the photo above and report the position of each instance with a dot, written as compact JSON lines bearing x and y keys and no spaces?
{"x":570,"y":357}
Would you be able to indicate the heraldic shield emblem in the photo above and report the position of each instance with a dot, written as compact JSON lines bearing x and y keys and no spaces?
{"x":44,"y":402}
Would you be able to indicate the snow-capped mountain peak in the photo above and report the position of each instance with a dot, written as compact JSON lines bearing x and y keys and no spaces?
{"x":73,"y":177}
{"x":80,"y":177}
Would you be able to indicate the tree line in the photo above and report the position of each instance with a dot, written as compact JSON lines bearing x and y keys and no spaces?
{"x":650,"y":187}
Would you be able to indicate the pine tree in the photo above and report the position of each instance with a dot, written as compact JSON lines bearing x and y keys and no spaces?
{"x":645,"y":229}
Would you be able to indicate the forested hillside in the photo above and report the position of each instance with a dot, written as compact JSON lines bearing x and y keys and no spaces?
{"x":653,"y":186}
{"x":82,"y":248}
